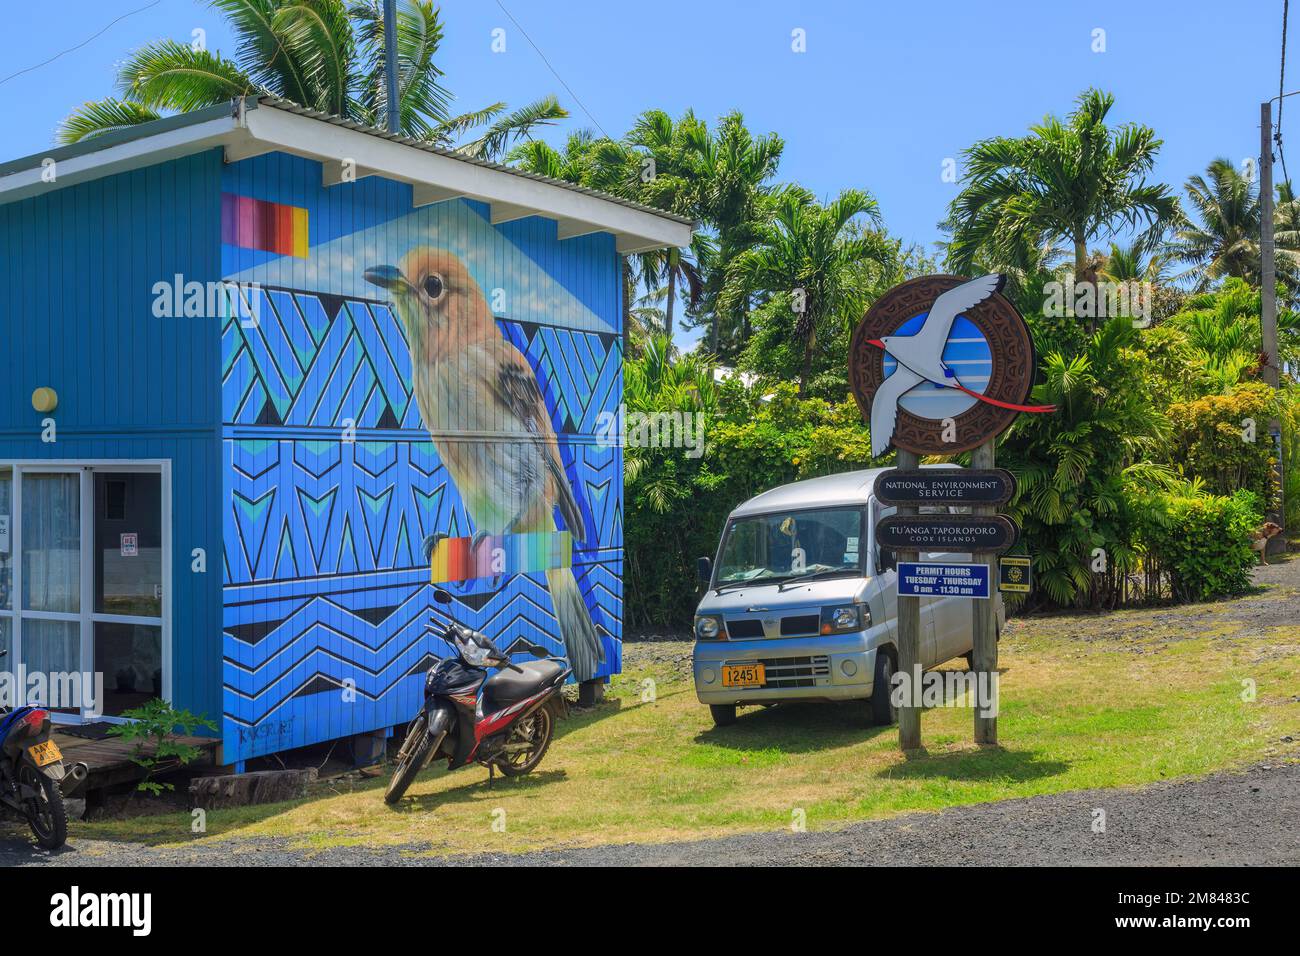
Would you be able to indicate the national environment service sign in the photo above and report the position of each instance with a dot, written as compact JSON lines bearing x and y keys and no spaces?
{"x":946,"y":486}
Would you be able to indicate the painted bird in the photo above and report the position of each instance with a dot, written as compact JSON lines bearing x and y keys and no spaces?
{"x":920,"y":359}
{"x":481,"y":403}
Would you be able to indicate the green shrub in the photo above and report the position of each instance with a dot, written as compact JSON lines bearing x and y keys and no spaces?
{"x":1201,"y":543}
{"x":153,"y":727}
{"x":1224,"y":440}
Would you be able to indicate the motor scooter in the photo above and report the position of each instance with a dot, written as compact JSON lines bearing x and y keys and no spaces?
{"x":32,"y":775}
{"x":480,"y":707}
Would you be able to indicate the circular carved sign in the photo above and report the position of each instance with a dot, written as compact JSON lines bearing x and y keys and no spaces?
{"x":963,"y":391}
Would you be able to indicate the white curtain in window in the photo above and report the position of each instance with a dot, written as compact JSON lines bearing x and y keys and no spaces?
{"x":52,"y":542}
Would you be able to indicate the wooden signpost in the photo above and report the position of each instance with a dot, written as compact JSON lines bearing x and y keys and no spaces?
{"x":984,"y":627}
{"x":907,"y":362}
{"x":909,"y":635}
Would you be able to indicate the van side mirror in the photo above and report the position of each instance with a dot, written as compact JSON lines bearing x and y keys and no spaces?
{"x":704,"y":568}
{"x":886,"y":560}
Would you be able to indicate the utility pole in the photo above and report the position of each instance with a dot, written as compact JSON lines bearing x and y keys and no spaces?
{"x":390,"y":63}
{"x":1268,"y":301}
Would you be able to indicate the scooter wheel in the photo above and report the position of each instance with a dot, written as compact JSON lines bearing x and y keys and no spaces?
{"x":530,"y":739}
{"x":410,"y":762}
{"x":46,"y":813}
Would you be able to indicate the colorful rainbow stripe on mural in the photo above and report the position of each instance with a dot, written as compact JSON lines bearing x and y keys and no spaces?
{"x":256,"y":224}
{"x":454,"y":559}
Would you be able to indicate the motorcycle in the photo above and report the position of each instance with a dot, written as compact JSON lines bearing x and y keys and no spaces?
{"x":503,"y":720}
{"x":32,"y":775}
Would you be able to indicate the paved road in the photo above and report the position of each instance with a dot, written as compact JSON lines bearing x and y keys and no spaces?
{"x":1248,"y":819}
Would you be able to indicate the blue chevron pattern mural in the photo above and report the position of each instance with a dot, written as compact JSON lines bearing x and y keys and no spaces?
{"x":332,"y":484}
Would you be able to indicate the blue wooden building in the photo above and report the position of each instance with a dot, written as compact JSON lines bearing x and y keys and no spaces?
{"x":221,"y":481}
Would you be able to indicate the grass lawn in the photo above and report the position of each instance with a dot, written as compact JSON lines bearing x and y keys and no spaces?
{"x":1087,"y":701}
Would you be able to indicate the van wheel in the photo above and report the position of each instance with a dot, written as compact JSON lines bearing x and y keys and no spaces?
{"x":724,"y":715}
{"x":883,"y":711}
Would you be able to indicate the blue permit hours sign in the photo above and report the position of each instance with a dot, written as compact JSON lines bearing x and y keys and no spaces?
{"x":943,"y":580}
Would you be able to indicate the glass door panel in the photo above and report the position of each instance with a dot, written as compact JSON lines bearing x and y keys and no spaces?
{"x":128,"y":544}
{"x":128,"y":587}
{"x":52,"y":649}
{"x":130,"y":658}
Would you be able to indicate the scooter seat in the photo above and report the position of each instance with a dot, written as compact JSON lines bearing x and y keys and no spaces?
{"x":507,"y":687}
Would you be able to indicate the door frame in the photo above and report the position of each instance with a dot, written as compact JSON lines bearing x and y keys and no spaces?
{"x":88,"y":617}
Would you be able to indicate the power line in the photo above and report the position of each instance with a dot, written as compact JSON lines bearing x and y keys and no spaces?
{"x":1281,"y":99}
{"x":566,"y":86}
{"x":72,"y":49}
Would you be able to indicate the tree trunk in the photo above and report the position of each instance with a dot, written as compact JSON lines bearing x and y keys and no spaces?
{"x":1083,"y":273}
{"x":668,"y":309}
{"x":807,"y":361}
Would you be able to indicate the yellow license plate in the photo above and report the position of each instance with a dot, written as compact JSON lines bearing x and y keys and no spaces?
{"x":744,"y":675}
{"x":47,"y":752}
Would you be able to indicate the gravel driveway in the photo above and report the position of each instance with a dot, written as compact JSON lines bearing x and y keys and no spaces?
{"x":1246,"y":819}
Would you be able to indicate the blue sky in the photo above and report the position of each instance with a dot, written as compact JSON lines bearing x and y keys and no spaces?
{"x":884,"y":93}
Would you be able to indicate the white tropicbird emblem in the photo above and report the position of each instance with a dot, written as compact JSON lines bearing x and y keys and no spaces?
{"x":920,"y":359}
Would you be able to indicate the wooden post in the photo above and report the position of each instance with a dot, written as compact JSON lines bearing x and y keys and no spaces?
{"x":909,"y":638}
{"x":984,"y":622}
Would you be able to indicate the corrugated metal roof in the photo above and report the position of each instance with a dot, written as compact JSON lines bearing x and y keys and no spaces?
{"x":181,"y":120}
{"x":289,"y":106}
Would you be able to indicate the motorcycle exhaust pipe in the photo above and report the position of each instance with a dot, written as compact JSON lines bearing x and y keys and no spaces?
{"x":74,"y":778}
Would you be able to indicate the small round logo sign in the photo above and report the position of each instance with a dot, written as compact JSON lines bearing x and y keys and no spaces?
{"x":941,"y":364}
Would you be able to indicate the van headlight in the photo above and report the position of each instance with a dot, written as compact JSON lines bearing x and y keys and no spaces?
{"x":708,"y":627}
{"x":845,"y":618}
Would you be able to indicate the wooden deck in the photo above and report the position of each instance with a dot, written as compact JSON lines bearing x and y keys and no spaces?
{"x":109,"y":762}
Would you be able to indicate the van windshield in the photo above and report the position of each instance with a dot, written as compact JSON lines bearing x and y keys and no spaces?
{"x":773,"y":547}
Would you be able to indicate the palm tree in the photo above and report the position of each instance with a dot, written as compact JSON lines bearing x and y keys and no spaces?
{"x":1072,"y":182}
{"x":736,"y":169}
{"x":1225,"y":242}
{"x":322,"y":54}
{"x":1133,"y":263}
{"x":808,"y":253}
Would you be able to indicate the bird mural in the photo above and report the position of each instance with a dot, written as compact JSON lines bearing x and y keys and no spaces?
{"x":480,"y":401}
{"x":920,"y":359}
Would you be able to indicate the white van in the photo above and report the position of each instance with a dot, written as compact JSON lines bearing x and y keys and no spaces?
{"x":766,"y":633}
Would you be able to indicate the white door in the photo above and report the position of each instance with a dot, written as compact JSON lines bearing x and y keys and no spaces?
{"x":83,"y":557}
